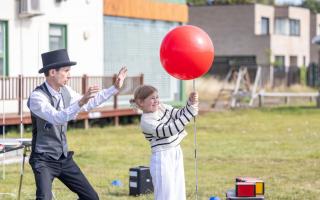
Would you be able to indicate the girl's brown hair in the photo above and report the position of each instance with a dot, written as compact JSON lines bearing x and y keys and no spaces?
{"x":142,"y":92}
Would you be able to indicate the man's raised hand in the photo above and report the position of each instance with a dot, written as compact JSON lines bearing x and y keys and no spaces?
{"x":120,"y":78}
{"x":90,"y":93}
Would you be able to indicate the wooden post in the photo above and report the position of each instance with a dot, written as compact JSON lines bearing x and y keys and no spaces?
{"x":141,"y":79}
{"x":86,"y":124}
{"x":257,"y":82}
{"x":271,"y":76}
{"x":234,"y":98}
{"x":115,"y":102}
{"x":84,"y":83}
{"x":84,"y":89}
{"x":260,"y":100}
{"x":318,"y":99}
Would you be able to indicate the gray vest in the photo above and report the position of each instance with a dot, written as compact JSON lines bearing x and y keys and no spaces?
{"x":46,"y":137}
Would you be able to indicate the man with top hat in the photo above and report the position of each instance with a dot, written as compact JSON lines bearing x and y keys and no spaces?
{"x":52,"y":105}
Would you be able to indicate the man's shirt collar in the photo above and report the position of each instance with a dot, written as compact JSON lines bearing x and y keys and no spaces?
{"x":52,"y":91}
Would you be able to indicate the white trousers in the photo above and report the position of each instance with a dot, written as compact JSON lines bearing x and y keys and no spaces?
{"x":167,"y":171}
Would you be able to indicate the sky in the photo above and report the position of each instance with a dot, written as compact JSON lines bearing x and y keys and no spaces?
{"x":288,"y":1}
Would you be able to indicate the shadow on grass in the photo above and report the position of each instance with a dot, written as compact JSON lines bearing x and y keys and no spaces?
{"x":118,"y":194}
{"x":124,"y":194}
{"x":292,"y":109}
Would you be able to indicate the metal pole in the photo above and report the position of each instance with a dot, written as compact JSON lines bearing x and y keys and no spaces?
{"x":22,"y":171}
{"x":21,"y":80}
{"x":3,"y":122}
{"x":3,"y":111}
{"x":21,"y":105}
{"x":195,"y":146}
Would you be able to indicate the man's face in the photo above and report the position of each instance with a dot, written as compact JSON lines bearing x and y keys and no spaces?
{"x":61,"y":76}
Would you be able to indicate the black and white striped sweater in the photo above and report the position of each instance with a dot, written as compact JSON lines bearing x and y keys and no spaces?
{"x":165,"y":127}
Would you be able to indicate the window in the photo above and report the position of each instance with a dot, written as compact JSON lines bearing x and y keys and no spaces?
{"x":281,"y":26}
{"x":284,"y":26}
{"x":264,"y":26}
{"x":294,"y":61}
{"x":3,"y":48}
{"x":294,"y":27}
{"x":279,"y":61}
{"x":57,"y":37}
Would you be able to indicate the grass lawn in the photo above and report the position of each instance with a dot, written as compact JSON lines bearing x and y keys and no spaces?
{"x":279,"y":145}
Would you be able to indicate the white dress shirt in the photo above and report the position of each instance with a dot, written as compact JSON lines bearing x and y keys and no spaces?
{"x":41,"y":107}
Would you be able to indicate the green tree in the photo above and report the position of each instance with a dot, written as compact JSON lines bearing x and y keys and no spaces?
{"x":266,"y":2}
{"x":197,"y":2}
{"x":205,"y":2}
{"x":313,"y":5}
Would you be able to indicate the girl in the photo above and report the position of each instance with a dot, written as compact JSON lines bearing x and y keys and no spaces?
{"x":163,"y":126}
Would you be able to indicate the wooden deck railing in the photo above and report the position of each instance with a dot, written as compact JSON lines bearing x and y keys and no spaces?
{"x":19,"y":88}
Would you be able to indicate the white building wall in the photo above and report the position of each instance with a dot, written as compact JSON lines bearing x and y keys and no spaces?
{"x":317,"y":24}
{"x":314,"y":31}
{"x":294,"y":45}
{"x":140,"y":54}
{"x":29,"y":37}
{"x":263,"y":11}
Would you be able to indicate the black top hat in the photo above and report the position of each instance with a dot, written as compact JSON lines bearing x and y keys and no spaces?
{"x":55,"y":59}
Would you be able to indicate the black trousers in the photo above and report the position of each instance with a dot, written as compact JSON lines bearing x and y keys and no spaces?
{"x":45,"y":169}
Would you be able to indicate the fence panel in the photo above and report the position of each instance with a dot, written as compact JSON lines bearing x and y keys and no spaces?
{"x":293,"y":75}
{"x":17,"y":88}
{"x":9,"y":88}
{"x":313,"y":75}
{"x":29,"y":84}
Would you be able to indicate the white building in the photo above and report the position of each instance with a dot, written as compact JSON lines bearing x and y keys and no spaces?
{"x":100,"y":35}
{"x":31,"y":27}
{"x":263,"y":34}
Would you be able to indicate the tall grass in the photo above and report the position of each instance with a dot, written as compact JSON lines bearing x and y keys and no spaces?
{"x":207,"y":87}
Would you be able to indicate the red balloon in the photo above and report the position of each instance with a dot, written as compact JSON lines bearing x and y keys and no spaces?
{"x":186,"y":52}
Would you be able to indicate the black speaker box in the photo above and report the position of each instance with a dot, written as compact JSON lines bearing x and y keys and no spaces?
{"x":140,"y":181}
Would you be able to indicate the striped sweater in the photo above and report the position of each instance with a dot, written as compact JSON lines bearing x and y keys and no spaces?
{"x":165,"y":127}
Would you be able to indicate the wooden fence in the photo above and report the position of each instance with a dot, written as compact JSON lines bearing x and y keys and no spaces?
{"x":19,"y":89}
